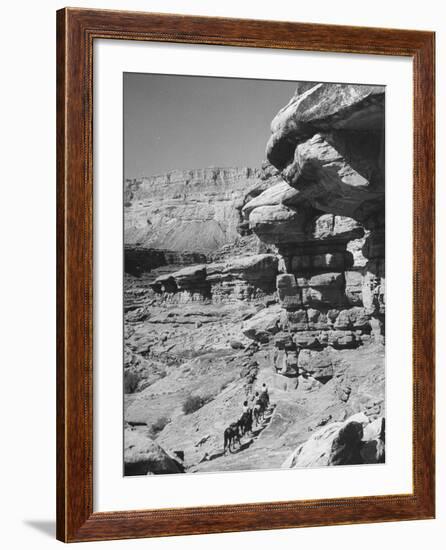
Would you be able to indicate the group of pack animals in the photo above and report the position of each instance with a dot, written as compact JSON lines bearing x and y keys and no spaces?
{"x":253,"y":415}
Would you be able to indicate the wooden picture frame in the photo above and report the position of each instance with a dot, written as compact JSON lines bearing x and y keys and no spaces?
{"x":76,"y":31}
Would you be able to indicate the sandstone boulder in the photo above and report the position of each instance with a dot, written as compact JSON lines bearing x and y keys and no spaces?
{"x":374,"y":439}
{"x":236,"y":344}
{"x":338,"y":228}
{"x":131,"y":380}
{"x":325,"y":288}
{"x":346,"y":446}
{"x":263,"y":325}
{"x":355,"y":247}
{"x":342,"y":339}
{"x":273,"y":195}
{"x":316,"y":450}
{"x":284,"y":383}
{"x":289,"y":293}
{"x":353,"y":287}
{"x":308,"y":339}
{"x":276,"y":224}
{"x":373,"y":287}
{"x":327,"y":180}
{"x":283,"y":340}
{"x":323,"y":107}
{"x":317,"y":320}
{"x":318,"y":364}
{"x":285,"y":362}
{"x":333,"y":280}
{"x":327,"y":143}
{"x":335,"y":443}
{"x":353,"y":318}
{"x":190,"y":277}
{"x":294,"y":320}
{"x":375,"y":429}
{"x":142,"y":456}
{"x":260,"y":269}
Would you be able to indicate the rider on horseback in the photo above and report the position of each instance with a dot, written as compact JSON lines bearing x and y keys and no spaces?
{"x":257,"y":409}
{"x":245,"y":410}
{"x":265,"y":394}
{"x":245,"y":421}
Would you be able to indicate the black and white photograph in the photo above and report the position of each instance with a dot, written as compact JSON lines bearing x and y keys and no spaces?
{"x":254,"y":274}
{"x":221,"y":265}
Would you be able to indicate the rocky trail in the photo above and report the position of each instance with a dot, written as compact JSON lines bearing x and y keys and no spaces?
{"x":297,"y":413}
{"x":246,"y":441}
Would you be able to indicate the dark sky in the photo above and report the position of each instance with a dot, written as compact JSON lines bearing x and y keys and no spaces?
{"x":182,"y":122}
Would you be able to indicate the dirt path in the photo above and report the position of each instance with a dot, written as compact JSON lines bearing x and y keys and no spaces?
{"x":256,"y":450}
{"x":245,"y":441}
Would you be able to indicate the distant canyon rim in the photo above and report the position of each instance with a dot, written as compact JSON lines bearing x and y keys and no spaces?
{"x":240,"y":276}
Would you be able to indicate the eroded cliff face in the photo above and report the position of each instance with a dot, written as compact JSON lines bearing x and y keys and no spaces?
{"x":326,"y":218}
{"x":187,"y":217}
{"x":186,"y":210}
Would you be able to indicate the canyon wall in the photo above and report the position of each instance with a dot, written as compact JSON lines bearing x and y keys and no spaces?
{"x":326,"y":217}
{"x":185,"y":216}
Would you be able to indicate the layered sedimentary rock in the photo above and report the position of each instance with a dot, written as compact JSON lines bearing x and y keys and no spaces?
{"x":261,"y":326}
{"x":186,"y":217}
{"x":140,"y":259}
{"x":326,"y":218}
{"x":186,"y":210}
{"x":239,"y":278}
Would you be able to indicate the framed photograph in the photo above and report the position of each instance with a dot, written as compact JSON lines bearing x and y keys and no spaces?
{"x":245,"y":275}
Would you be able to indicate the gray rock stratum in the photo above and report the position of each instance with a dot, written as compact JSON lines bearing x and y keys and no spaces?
{"x":184,"y":217}
{"x":187,"y":210}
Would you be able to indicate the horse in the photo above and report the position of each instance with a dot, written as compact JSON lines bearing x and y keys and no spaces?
{"x":245,"y":422}
{"x":260,"y":408}
{"x":231,"y":435}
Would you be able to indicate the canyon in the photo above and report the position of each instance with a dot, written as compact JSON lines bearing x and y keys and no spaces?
{"x":235,"y":277}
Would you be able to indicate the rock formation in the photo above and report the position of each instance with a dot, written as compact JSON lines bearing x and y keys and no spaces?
{"x":142,"y":456}
{"x":357,"y":440}
{"x":185,"y":215}
{"x":239,"y":276}
{"x":326,"y":218}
